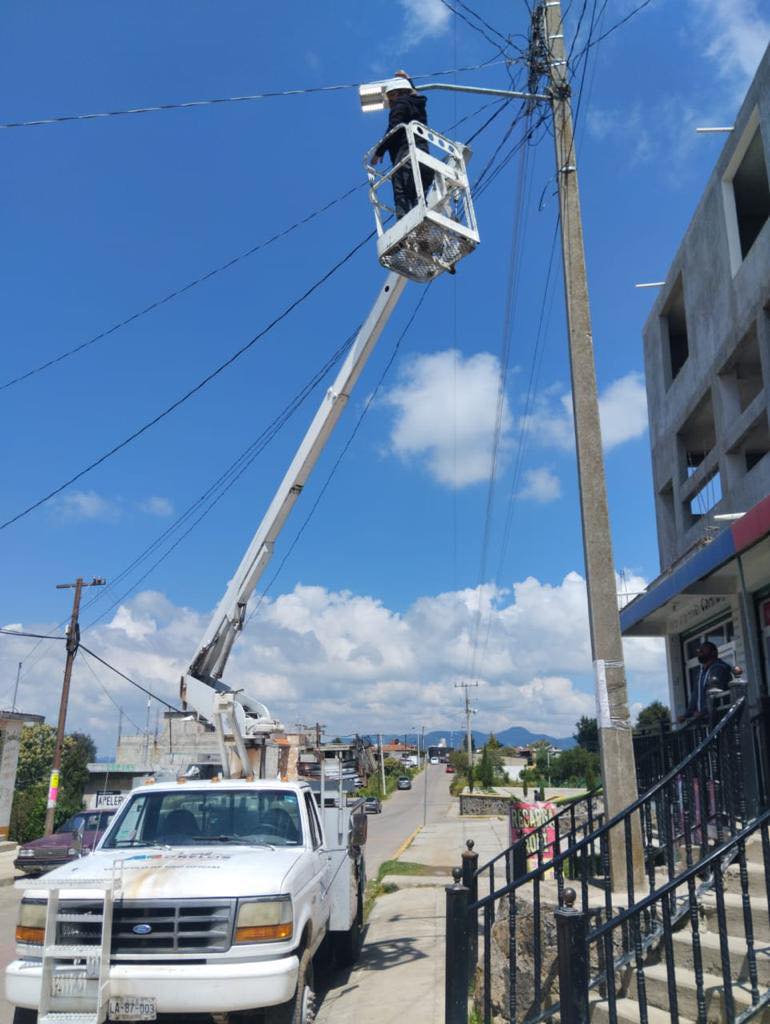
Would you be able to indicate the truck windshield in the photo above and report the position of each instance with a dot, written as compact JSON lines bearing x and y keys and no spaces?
{"x":181,"y":819}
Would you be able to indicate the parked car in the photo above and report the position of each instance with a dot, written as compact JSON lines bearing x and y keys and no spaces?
{"x":65,"y":844}
{"x":373,"y":805}
{"x":450,"y":768}
{"x":404,"y":783}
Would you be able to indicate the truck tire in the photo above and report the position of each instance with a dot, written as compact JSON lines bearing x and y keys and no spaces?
{"x":300,"y":1009}
{"x":347,"y":945}
{"x":21,"y":1015}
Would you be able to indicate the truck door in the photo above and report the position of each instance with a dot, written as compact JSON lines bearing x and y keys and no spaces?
{"x":321,"y":866}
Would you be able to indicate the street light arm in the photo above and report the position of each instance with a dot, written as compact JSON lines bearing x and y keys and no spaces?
{"x":482,"y":91}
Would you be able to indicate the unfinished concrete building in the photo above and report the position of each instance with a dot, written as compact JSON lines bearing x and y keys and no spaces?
{"x":707,"y":364}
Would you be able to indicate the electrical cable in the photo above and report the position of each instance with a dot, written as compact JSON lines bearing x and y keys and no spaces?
{"x":185,"y":288}
{"x":241,"y":464}
{"x":192,"y":391}
{"x":128,"y":679}
{"x":185,"y":105}
{"x":37,"y":636}
{"x":345,"y":448}
{"x":108,"y":695}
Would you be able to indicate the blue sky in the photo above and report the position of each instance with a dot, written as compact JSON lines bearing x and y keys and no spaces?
{"x":103,"y":217}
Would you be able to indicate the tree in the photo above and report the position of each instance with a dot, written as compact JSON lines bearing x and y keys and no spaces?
{"x":587,"y":735}
{"x":653,"y":716}
{"x":486,"y":771}
{"x":575,"y":767}
{"x":36,"y":747}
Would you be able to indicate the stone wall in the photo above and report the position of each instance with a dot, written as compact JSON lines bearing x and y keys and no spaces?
{"x":484,"y":804}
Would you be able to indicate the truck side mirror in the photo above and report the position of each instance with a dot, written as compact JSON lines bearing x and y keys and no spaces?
{"x":359,"y":825}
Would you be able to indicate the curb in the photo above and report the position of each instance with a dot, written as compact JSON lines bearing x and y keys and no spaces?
{"x":406,"y":843}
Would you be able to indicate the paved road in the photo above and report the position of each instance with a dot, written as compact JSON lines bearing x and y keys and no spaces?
{"x":403,"y":812}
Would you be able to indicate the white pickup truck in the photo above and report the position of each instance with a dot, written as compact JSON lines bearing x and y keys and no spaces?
{"x":202,"y":897}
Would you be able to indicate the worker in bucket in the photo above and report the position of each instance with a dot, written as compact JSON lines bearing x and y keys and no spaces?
{"x":405,"y":105}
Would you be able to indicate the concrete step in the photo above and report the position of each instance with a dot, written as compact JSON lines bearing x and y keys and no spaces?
{"x":656,"y":987}
{"x":734,"y":915}
{"x":712,"y":959}
{"x":628,"y":1013}
{"x":755,"y":869}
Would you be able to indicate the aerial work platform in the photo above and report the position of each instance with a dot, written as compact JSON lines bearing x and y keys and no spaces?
{"x":441,"y":228}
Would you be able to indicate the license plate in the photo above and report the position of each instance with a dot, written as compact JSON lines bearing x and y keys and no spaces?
{"x":75,"y":984}
{"x":133,"y":1008}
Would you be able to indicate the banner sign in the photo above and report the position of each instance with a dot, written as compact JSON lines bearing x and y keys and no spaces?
{"x":53,"y":790}
{"x":525,"y":818}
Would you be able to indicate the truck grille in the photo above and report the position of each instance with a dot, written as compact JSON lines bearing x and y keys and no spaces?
{"x":184,"y":926}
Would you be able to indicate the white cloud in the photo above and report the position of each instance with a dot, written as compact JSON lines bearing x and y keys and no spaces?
{"x":622,"y":411}
{"x":736,"y":35}
{"x":349,"y":661}
{"x":157,"y":506}
{"x":445,"y":415}
{"x":78,"y":506}
{"x":424,"y":19}
{"x":540,"y":485}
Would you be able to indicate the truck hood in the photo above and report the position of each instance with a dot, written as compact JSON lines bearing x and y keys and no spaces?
{"x":185,"y":872}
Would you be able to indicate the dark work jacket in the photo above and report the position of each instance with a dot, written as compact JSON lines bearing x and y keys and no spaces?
{"x":404,"y":109}
{"x":716,"y":677}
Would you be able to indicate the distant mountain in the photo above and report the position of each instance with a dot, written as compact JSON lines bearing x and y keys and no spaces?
{"x":514,"y":736}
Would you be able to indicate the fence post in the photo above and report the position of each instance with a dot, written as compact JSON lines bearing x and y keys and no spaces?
{"x":571,"y":931}
{"x":470,"y":881}
{"x":456,"y":955}
{"x":750,"y":783}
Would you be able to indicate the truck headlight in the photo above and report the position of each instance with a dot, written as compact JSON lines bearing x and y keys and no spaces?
{"x":30,"y":927}
{"x":267,"y":920}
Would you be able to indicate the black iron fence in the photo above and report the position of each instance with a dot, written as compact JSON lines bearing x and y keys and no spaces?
{"x":578,"y":885}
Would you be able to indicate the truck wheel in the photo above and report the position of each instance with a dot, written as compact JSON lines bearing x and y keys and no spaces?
{"x":21,"y":1015}
{"x":347,"y":945}
{"x":300,"y":1009}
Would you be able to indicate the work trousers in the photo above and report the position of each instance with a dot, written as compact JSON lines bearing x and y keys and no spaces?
{"x":404,"y":190}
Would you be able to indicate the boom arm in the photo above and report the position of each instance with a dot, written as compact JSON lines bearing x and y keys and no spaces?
{"x":248,"y":715}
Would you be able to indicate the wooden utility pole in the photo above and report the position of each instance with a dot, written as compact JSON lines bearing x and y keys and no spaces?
{"x":73,"y":642}
{"x":616,"y":741}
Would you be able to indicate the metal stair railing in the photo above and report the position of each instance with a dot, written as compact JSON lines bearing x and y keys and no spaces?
{"x":698,"y":803}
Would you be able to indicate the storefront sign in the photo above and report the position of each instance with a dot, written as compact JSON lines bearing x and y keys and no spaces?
{"x":696,"y":608}
{"x":525,"y":818}
{"x":108,"y":801}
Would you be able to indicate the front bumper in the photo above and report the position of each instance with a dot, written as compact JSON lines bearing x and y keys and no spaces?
{"x":178,"y":988}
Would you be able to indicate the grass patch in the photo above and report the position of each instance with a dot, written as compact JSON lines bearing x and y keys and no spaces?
{"x":376,"y":887}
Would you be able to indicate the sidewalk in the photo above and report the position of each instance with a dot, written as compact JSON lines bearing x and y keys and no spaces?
{"x":401,"y":969}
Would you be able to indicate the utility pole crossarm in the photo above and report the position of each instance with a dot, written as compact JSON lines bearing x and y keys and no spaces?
{"x":214,"y":649}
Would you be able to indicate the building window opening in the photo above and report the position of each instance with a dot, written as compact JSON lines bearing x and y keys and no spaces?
{"x":751,"y":447}
{"x":674,"y":324}
{"x":752,"y":194}
{"x":741,"y":379}
{"x":706,"y":497}
{"x":697,"y":437}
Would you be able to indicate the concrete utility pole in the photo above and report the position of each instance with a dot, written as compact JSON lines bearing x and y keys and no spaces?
{"x":382,"y":769}
{"x":425,"y":790}
{"x":469,"y":739}
{"x":73,"y":642}
{"x":617,"y":752}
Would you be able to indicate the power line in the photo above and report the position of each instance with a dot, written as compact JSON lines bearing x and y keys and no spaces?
{"x":109,"y":696}
{"x":35,"y":636}
{"x":128,"y":679}
{"x":185,"y":288}
{"x":233,"y":472}
{"x":343,"y":452}
{"x":219,"y":100}
{"x":192,"y":391}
